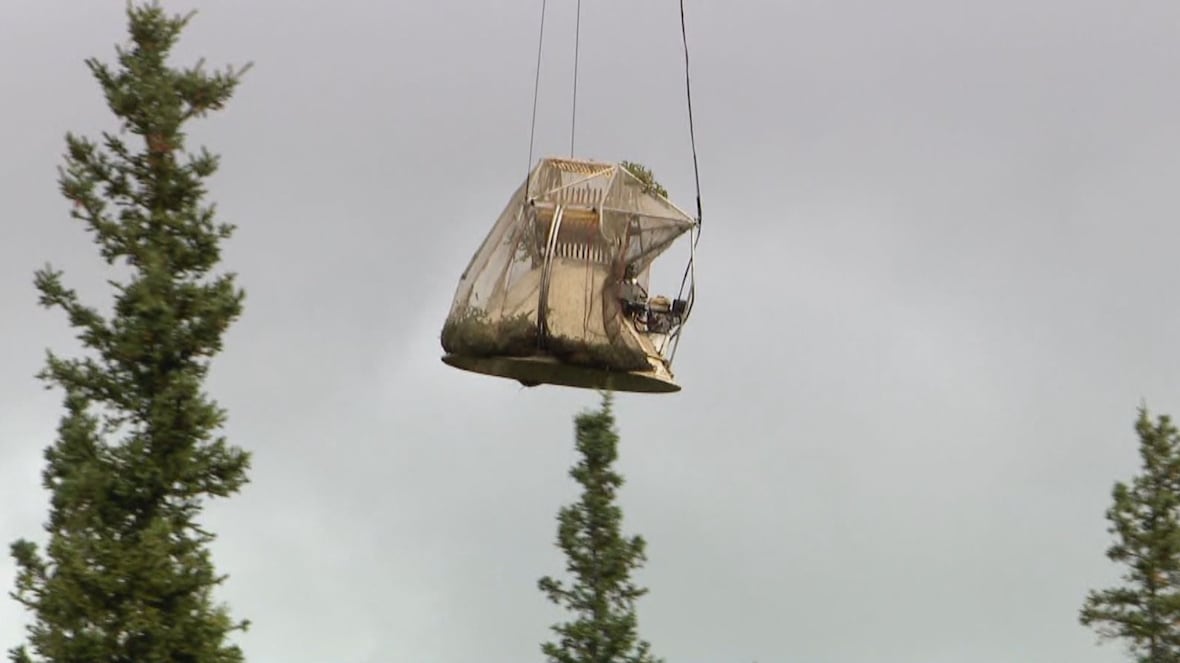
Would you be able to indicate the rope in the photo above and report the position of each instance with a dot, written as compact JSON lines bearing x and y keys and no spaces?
{"x":695,"y":169}
{"x":574,"y":105}
{"x":536,"y":91}
{"x":691,"y":130}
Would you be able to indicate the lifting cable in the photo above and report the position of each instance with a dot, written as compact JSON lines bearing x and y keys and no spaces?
{"x":537,"y":86}
{"x":536,"y":89}
{"x":688,"y":269}
{"x":691,"y":130}
{"x":574,"y":103}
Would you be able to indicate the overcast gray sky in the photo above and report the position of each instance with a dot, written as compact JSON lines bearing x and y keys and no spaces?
{"x":936,"y":279}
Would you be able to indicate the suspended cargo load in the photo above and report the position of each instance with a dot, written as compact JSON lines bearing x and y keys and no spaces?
{"x":558,"y":291}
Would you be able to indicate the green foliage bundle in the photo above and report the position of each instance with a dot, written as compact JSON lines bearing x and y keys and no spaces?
{"x":471,"y":333}
{"x":644,"y":175}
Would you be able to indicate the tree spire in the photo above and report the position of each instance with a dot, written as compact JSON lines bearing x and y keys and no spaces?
{"x":601,"y":594}
{"x":125,"y":575}
{"x":1144,"y":610}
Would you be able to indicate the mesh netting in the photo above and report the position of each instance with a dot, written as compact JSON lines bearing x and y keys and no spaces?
{"x":551,"y":276}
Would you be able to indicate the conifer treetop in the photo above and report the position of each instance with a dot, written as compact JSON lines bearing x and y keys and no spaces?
{"x":125,"y":574}
{"x":1144,"y":609}
{"x":600,"y":559}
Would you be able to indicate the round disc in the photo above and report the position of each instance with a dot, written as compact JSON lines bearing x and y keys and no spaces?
{"x":541,"y":369}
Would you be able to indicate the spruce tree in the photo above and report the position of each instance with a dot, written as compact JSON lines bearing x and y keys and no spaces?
{"x":601,"y":594}
{"x":1144,"y":610}
{"x":126,"y":575}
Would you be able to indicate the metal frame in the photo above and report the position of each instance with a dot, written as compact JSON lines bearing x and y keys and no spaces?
{"x":546,"y":273}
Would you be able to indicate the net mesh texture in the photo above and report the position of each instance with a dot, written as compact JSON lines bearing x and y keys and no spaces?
{"x":554,"y":276}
